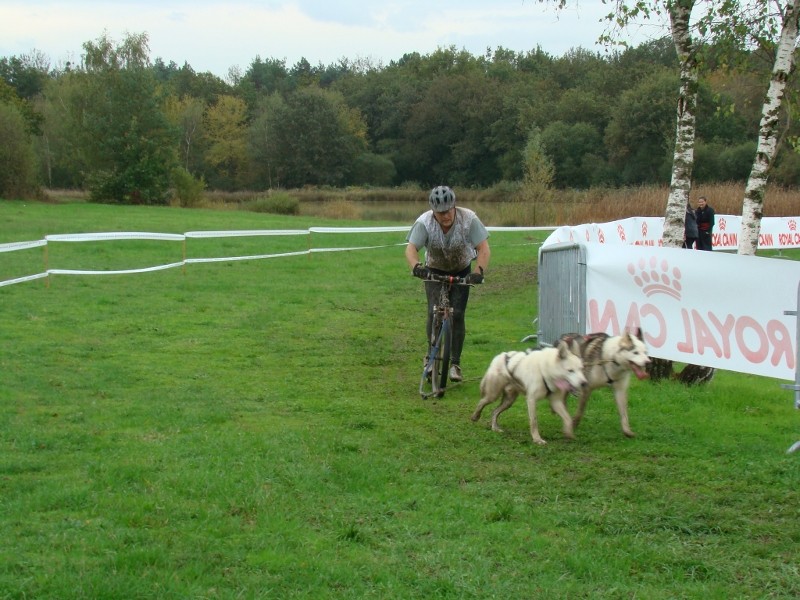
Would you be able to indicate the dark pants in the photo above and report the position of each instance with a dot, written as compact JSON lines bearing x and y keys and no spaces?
{"x":704,"y":241}
{"x":689,"y":243}
{"x":459,"y":295}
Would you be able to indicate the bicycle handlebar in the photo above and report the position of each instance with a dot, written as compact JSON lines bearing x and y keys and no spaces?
{"x":451,"y":279}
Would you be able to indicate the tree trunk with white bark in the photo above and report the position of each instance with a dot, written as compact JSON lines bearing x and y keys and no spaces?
{"x":683,"y":156}
{"x":768,"y":135}
{"x":682,"y":165}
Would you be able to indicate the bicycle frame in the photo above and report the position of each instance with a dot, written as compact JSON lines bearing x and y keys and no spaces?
{"x":435,"y":372}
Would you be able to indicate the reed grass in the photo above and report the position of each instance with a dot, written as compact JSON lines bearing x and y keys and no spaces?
{"x":500,"y":205}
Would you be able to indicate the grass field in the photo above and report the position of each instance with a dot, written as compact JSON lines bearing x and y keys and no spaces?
{"x":252,"y":429}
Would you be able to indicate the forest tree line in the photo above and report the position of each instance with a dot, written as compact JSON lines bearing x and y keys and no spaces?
{"x":133,"y":130}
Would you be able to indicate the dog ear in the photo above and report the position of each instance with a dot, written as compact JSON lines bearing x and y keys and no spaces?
{"x":562,"y":350}
{"x":635,"y":332}
{"x":626,"y":340}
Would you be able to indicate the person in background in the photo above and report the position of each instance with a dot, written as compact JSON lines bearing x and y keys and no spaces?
{"x":705,"y":224}
{"x":690,"y":228}
{"x":453,"y":237}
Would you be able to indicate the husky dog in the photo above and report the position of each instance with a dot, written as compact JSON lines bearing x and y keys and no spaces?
{"x":547,"y":373}
{"x":609,"y":361}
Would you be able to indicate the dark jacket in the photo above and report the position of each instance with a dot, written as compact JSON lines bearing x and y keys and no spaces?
{"x":705,"y":218}
{"x":690,"y":228}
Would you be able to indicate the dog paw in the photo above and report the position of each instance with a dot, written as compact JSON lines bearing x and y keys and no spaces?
{"x":629,"y":434}
{"x":539,"y":441}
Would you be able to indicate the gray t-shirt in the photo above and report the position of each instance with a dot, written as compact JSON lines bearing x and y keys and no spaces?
{"x":452,"y":251}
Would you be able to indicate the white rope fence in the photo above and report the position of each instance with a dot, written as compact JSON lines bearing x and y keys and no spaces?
{"x":21,"y":245}
{"x":182,"y":237}
{"x":116,"y":235}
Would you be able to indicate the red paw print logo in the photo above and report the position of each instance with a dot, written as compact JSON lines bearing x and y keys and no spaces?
{"x":656,"y":277}
{"x":644,"y":229}
{"x":601,"y":237}
{"x":621,"y":232}
{"x":722,"y":224}
{"x":792,"y":225}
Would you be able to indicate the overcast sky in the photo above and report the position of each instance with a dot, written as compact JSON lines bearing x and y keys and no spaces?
{"x":215,"y":35}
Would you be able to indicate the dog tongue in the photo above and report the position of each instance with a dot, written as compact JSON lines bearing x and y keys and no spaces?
{"x":563,"y":385}
{"x":639,"y":372}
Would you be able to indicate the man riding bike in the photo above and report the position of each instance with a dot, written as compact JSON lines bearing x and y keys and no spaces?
{"x":453,"y":237}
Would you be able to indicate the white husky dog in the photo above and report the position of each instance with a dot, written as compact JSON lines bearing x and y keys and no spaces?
{"x":609,"y":361}
{"x":547,"y":373}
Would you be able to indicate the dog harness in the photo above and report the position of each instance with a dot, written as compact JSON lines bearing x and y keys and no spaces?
{"x":514,"y":377}
{"x":609,"y":381}
{"x":599,"y":363}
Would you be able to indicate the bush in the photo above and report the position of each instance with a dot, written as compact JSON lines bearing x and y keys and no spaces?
{"x":737,"y":161}
{"x":787,"y":169}
{"x":373,"y":169}
{"x":503,"y":191}
{"x":341,"y":209}
{"x":17,"y":157}
{"x":187,"y":189}
{"x":719,"y":162}
{"x":276,"y":204}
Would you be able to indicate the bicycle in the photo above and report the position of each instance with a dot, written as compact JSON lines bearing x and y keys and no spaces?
{"x":437,"y":362}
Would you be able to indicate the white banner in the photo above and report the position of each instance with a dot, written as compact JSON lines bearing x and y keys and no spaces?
{"x":776,"y":232}
{"x":706,"y":308}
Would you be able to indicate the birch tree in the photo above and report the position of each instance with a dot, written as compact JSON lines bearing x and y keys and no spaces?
{"x":186,"y":114}
{"x":679,"y":13}
{"x":722,"y":21}
{"x":731,"y":23}
{"x":225,"y":124}
{"x":768,"y":133}
{"x":683,"y":157}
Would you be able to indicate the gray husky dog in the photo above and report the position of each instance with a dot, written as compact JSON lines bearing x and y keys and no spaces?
{"x":609,"y":361}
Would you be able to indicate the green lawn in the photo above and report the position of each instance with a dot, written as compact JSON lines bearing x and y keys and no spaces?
{"x":252,"y":429}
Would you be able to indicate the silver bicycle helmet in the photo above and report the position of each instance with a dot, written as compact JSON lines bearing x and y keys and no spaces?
{"x":442,"y":199}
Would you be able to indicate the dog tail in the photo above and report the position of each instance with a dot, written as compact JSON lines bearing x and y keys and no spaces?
{"x":485,"y":380}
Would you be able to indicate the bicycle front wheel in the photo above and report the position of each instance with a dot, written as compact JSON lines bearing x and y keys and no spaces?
{"x":441,"y":361}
